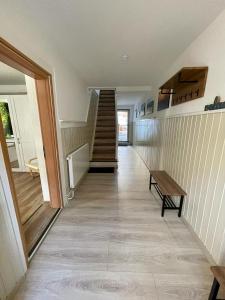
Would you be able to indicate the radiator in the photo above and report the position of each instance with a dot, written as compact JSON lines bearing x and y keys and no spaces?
{"x":78,"y":164}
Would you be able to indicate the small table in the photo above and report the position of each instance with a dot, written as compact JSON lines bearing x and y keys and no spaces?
{"x":167,"y":188}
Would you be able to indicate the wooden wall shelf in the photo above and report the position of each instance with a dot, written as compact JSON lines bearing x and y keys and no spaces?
{"x":186,"y":85}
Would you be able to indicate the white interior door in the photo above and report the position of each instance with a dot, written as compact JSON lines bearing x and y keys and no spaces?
{"x":24,"y":128}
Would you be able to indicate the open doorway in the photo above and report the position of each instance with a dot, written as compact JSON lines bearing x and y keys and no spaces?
{"x":123,"y":127}
{"x":29,"y":144}
{"x":22,"y":133}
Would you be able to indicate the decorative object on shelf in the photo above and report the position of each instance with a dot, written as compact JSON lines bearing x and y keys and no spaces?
{"x":187,"y":84}
{"x":217,"y":99}
{"x":216,"y":105}
{"x":164,"y":99}
{"x":142,"y":111}
{"x":136,"y":113}
{"x":150,"y":106}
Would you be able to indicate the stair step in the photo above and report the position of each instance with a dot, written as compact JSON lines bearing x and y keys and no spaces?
{"x":106,"y":113}
{"x":106,"y":108}
{"x":107,"y":98}
{"x":105,"y":129}
{"x":105,"y":104}
{"x":103,"y":157}
{"x":105,"y":123}
{"x":107,"y":101}
{"x":101,"y":141}
{"x":106,"y":118}
{"x":103,"y":152}
{"x":104,"y":147}
{"x":107,"y":92}
{"x":106,"y":134}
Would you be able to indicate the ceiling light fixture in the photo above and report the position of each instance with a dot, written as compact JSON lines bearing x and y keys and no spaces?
{"x":125,"y":57}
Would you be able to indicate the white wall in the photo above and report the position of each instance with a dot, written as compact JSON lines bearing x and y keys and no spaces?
{"x":69,"y":92}
{"x":191,"y":142}
{"x":12,"y":89}
{"x":207,"y":50}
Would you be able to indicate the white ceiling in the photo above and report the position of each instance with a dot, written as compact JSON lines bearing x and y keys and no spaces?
{"x":94,"y":34}
{"x":10,"y":76}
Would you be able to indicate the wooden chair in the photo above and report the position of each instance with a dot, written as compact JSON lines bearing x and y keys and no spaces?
{"x":33,"y":167}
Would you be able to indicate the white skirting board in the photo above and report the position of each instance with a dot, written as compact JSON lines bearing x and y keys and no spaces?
{"x":78,"y":164}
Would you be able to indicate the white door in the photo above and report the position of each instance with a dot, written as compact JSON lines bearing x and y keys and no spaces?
{"x":24,"y":128}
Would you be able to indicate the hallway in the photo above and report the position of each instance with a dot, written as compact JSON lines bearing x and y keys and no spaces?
{"x":113,"y":244}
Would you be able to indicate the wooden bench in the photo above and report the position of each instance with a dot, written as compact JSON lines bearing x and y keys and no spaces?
{"x":219,"y":280}
{"x":167,"y":188}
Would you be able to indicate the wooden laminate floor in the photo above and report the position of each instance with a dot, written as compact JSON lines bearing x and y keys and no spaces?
{"x":34,"y":212}
{"x":111,"y":243}
{"x":29,"y":194}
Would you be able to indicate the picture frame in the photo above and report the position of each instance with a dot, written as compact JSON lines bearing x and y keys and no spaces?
{"x":164,"y":99}
{"x":142,"y":109}
{"x":150,"y":106}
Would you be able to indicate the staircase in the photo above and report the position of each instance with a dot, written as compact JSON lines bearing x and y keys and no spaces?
{"x":104,"y":149}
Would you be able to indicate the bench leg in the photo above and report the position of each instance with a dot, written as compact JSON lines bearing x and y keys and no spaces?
{"x":150,"y":182}
{"x":181,"y":205}
{"x":163,"y":206}
{"x":214,"y":290}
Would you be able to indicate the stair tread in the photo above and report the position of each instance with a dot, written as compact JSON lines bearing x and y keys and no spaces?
{"x":105,"y":135}
{"x":105,"y":129}
{"x":106,"y":117}
{"x":102,"y":147}
{"x":102,"y":157}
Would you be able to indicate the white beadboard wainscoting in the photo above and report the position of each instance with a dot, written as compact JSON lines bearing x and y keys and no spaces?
{"x":191,"y":149}
{"x":75,"y":137}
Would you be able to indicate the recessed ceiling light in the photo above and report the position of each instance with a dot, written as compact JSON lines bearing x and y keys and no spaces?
{"x":125,"y":57}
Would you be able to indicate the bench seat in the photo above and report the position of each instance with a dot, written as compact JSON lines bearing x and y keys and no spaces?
{"x":167,"y":188}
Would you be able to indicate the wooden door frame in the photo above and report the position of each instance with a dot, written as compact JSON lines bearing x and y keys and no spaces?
{"x":43,"y":81}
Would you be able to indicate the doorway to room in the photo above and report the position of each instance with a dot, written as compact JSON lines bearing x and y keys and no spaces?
{"x":123,"y":126}
{"x":28,"y":145}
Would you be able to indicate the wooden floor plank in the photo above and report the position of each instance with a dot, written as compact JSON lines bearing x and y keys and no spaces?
{"x":111,"y":243}
{"x":34,"y":212}
{"x":37,"y":224}
{"x":29,"y":194}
